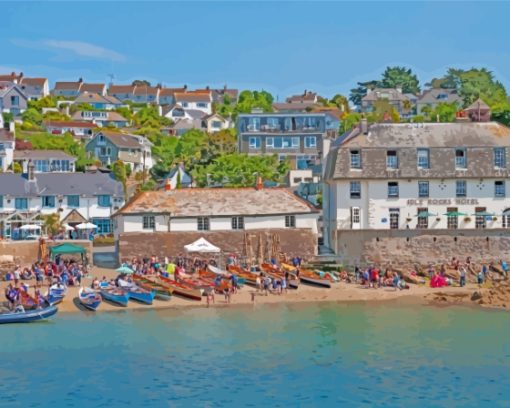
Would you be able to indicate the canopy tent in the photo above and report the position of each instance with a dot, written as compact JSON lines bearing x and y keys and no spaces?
{"x":66,"y":249}
{"x":425,"y":214}
{"x":201,"y":245}
{"x":455,"y":214}
{"x":28,"y":227}
{"x":86,"y":225}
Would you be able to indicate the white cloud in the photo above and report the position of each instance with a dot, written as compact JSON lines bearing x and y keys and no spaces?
{"x":79,"y":48}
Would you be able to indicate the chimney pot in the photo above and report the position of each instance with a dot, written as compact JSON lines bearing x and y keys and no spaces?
{"x":168,"y":186}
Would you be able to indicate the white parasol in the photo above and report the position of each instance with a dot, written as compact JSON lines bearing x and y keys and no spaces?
{"x":67,"y":227}
{"x":86,"y":225}
{"x":29,"y":227}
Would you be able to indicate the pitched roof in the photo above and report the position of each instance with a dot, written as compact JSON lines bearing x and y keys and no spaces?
{"x":6,"y":136}
{"x":6,"y":87}
{"x":88,"y":87}
{"x":121,"y":89}
{"x":437,"y":95}
{"x":69,"y":123}
{"x":10,"y":77}
{"x":306,"y":96}
{"x":146,"y":90}
{"x":94,"y":97}
{"x":478,"y":104}
{"x":467,"y":134}
{"x":88,"y":184}
{"x":122,"y":139}
{"x":33,"y":81}
{"x":111,"y":116}
{"x":295,"y":106}
{"x":193,"y":96}
{"x":391,"y":94}
{"x":68,"y":85}
{"x":42,"y":154}
{"x":170,"y":91}
{"x":195,"y":202}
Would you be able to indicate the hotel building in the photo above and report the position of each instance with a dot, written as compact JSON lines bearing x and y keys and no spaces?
{"x":433,"y":176}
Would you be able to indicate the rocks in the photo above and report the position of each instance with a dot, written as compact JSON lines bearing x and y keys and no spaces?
{"x":476,"y":296}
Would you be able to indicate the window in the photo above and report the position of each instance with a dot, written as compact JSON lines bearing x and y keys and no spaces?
{"x":394,"y":218}
{"x":499,"y":189}
{"x":41,"y":166}
{"x":355,"y":216}
{"x":73,"y":201}
{"x":201,"y":105}
{"x":48,"y":201}
{"x":21,"y":203}
{"x":355,"y":159}
{"x":148,"y":222}
{"x":500,"y":157}
{"x":460,"y":159}
{"x":237,"y":223}
{"x":1,"y":201}
{"x":423,"y":159}
{"x":480,"y":220}
{"x":270,"y":142}
{"x":423,"y":188}
{"x":423,"y":220}
{"x":14,"y":100}
{"x":452,"y":218}
{"x":104,"y":225}
{"x":460,"y":188}
{"x":290,"y":221}
{"x":505,"y":220}
{"x":391,"y":159}
{"x":392,"y":189}
{"x":310,"y":141}
{"x":254,"y":142}
{"x":216,"y":124}
{"x":103,"y":200}
{"x":203,"y":223}
{"x":185,"y":104}
{"x":355,"y":189}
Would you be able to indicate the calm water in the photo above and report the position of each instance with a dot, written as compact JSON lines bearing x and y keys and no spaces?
{"x":375,"y":355}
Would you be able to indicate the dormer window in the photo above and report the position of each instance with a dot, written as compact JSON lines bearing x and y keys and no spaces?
{"x":355,"y":159}
{"x":460,"y":159}
{"x":391,"y":159}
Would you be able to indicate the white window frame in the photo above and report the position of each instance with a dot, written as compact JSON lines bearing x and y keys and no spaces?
{"x":253,"y":142}
{"x":461,"y":160}
{"x":420,"y":158}
{"x":270,"y":142}
{"x":393,"y":187}
{"x":310,"y":142}
{"x":391,"y":159}
{"x":499,"y":157}
{"x":290,"y":221}
{"x":355,"y":164}
{"x":420,"y":184}
{"x":356,"y":190}
{"x":203,"y":224}
{"x":237,"y":223}
{"x":148,"y":222}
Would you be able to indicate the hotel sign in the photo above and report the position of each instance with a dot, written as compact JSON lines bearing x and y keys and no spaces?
{"x":442,"y":201}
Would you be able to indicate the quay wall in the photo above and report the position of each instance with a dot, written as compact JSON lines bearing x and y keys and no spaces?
{"x":410,"y":247}
{"x":293,"y":242}
{"x":27,"y":252}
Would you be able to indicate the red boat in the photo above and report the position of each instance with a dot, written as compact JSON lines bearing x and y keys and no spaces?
{"x":182,"y":289}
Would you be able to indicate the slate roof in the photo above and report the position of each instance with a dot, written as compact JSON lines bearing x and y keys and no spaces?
{"x":6,"y":136}
{"x":377,"y":93}
{"x":94,"y":97}
{"x":88,"y":184}
{"x":42,"y":154}
{"x":88,"y":87}
{"x":122,"y":139}
{"x":194,"y":202}
{"x":69,"y":123}
{"x":439,"y":96}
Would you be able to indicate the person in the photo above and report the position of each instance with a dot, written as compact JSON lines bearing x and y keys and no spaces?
{"x":258,"y":282}
{"x":234,"y":283}
{"x":462,"y":281}
{"x":16,"y":275}
{"x":480,"y":278}
{"x":267,"y":282}
{"x":431,"y":271}
{"x":357,"y":274}
{"x":38,"y":277}
{"x":226,"y":292}
{"x":484,"y":271}
{"x":396,"y":281}
{"x":442,"y":271}
{"x":504,"y":266}
{"x":284,"y":285}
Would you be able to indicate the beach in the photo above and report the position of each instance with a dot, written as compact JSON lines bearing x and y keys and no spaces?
{"x":339,"y":292}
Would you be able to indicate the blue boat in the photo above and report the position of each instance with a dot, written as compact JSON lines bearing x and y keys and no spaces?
{"x":56,"y":293}
{"x":115,"y":295}
{"x":22,"y":316}
{"x":89,"y":298}
{"x":141,"y":295}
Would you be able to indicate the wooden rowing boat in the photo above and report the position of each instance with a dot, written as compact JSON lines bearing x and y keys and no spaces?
{"x":182,"y":289}
{"x":115,"y":295}
{"x":161,"y":292}
{"x":249,"y":278}
{"x":310,"y":277}
{"x":277,"y":273}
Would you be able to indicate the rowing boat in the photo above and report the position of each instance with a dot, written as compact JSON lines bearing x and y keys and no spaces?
{"x":115,"y":295}
{"x":27,"y":316}
{"x":310,"y":277}
{"x":161,"y":292}
{"x":182,"y":289}
{"x":249,"y":277}
{"x":137,"y":293}
{"x":56,"y":293}
{"x":279,"y":274}
{"x":89,"y":298}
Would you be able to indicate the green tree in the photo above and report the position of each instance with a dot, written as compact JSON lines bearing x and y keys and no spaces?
{"x":358,"y":93}
{"x":349,"y":121}
{"x":120,"y":174}
{"x":400,"y":77}
{"x":55,"y":115}
{"x":224,"y":141}
{"x":341,"y":102}
{"x":52,"y":223}
{"x":16,"y":168}
{"x":178,"y":184}
{"x":32,"y":116}
{"x":49,"y":101}
{"x":444,"y":112}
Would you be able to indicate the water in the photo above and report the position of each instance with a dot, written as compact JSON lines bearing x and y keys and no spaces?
{"x":314,"y":355}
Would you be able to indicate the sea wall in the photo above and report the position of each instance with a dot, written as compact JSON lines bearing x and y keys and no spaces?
{"x":27,"y":252}
{"x":293,"y":242}
{"x":408,"y":247}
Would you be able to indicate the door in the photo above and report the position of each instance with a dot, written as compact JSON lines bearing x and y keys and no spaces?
{"x":355,"y":218}
{"x":394,"y":218}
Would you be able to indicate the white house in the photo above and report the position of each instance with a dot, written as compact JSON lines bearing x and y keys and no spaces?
{"x":45,"y":161}
{"x":195,"y":100}
{"x":7,"y":146}
{"x":439,"y":176}
{"x":77,"y":128}
{"x":76,"y":197}
{"x":215,"y":123}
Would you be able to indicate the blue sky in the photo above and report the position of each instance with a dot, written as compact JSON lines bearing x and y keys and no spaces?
{"x":283,"y":47}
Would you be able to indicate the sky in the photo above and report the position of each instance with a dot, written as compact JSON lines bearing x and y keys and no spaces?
{"x":283,"y":47}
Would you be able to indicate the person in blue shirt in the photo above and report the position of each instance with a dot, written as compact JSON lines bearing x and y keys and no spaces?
{"x":504,"y":266}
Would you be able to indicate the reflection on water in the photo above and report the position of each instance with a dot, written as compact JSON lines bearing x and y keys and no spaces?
{"x":375,"y":355}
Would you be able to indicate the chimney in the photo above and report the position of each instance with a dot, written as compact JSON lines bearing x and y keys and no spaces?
{"x":168,"y":186}
{"x":225,"y":87}
{"x":30,"y":175}
{"x":185,"y":87}
{"x":21,"y":74}
{"x":207,"y":87}
{"x":364,"y":126}
{"x":80,"y":80}
{"x":260,"y":184}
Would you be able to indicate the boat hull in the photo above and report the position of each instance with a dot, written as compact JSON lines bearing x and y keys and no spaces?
{"x":323,"y":283}
{"x":121,"y":300}
{"x":182,"y":290}
{"x":90,"y":300}
{"x":28,"y":316}
{"x":142,"y":297}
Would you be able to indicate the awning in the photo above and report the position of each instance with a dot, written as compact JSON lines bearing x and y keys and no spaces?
{"x":65,"y":249}
{"x":455,"y":214}
{"x":425,"y":214}
{"x":483,"y":214}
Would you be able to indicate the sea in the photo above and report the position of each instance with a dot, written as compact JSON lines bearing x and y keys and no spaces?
{"x":306,"y":355}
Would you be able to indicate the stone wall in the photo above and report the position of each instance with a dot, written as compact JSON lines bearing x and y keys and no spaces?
{"x":27,"y":252}
{"x":408,"y":247}
{"x":301,"y":242}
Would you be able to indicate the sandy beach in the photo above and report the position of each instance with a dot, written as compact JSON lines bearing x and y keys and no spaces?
{"x":339,"y":292}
